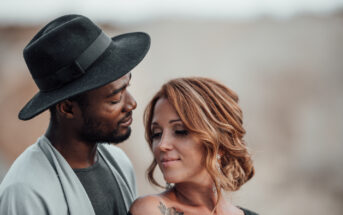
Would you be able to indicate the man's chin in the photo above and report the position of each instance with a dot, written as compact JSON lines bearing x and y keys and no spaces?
{"x":122,"y":137}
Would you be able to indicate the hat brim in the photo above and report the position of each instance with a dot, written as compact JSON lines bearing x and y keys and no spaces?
{"x":123,"y":54}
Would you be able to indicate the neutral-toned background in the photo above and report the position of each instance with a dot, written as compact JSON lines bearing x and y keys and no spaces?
{"x":287,"y":72}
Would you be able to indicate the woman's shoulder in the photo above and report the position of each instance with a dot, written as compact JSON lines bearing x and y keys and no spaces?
{"x":149,"y":204}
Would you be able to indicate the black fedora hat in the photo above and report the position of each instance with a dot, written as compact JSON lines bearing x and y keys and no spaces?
{"x":72,"y":55}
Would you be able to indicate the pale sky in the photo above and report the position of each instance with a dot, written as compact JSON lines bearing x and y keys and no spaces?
{"x":126,"y":11}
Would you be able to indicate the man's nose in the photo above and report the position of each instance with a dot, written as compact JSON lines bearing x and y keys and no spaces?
{"x":130,"y":103}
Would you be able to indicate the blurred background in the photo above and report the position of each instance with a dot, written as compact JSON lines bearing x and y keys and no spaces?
{"x":282,"y":57}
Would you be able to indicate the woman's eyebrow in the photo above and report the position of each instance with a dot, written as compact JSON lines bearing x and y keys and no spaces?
{"x":174,"y":120}
{"x":170,"y":121}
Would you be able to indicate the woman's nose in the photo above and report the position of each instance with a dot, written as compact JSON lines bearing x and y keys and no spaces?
{"x":166,"y":143}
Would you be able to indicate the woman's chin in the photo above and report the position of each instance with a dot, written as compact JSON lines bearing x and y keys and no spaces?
{"x":171,"y":179}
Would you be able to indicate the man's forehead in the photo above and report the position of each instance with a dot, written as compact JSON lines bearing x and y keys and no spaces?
{"x":120,"y":83}
{"x":123,"y":80}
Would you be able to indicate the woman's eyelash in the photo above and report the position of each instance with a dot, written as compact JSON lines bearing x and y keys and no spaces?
{"x":181,"y":132}
{"x":155,"y":135}
{"x":176,"y":132}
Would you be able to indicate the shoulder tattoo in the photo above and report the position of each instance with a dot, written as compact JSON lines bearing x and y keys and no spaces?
{"x":168,"y":211}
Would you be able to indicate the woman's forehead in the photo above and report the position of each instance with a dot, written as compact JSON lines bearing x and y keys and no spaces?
{"x":164,"y":112}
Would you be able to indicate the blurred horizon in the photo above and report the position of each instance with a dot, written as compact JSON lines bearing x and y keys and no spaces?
{"x":123,"y":12}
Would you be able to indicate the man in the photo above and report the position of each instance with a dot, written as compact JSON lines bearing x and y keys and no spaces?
{"x":82,"y":76}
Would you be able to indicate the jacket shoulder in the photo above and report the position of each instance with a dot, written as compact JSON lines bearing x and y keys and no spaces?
{"x":31,"y":180}
{"x":29,"y":168}
{"x":19,"y":198}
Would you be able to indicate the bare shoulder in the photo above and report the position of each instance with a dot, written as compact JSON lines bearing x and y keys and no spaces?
{"x":146,"y":205}
{"x":152,"y":205}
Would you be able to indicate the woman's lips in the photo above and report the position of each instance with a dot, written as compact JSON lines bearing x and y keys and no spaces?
{"x":169,"y":162}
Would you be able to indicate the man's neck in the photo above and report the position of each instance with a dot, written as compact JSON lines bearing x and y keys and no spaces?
{"x":78,"y":154}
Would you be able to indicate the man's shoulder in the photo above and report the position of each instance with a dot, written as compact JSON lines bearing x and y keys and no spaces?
{"x":31,"y":184}
{"x":17,"y":190}
{"x":18,"y":195}
{"x":31,"y":169}
{"x":31,"y":160}
{"x":22,"y":198}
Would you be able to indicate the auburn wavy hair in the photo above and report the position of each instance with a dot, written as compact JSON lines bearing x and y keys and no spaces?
{"x":210,"y":111}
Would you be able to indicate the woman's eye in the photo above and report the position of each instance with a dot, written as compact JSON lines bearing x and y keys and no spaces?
{"x":181,"y":132}
{"x":156,"y":135}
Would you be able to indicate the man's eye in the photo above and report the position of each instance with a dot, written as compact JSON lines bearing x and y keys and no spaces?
{"x":156,"y":135}
{"x":181,"y":132}
{"x":115,"y":102}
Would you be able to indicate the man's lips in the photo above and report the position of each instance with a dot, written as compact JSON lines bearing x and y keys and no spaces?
{"x":127,"y":120}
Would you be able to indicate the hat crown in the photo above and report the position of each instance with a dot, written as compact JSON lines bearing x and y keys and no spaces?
{"x":58,"y":44}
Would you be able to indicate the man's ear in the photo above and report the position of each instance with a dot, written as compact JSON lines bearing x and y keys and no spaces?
{"x":66,"y":109}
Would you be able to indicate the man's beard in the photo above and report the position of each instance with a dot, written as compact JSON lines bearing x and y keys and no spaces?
{"x":92,"y":132}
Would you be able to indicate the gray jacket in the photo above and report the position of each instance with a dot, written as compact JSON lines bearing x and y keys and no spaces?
{"x":41,"y":181}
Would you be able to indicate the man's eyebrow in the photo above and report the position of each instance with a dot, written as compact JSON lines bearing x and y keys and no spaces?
{"x":116,"y":91}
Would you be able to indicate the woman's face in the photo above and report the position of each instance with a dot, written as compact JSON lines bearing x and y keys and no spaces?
{"x":179,"y":153}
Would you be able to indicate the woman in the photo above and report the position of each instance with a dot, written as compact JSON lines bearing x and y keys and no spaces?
{"x":194,"y":129}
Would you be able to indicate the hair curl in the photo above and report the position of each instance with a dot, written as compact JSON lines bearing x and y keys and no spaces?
{"x":210,"y":110}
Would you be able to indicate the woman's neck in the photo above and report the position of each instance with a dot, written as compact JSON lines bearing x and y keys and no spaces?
{"x":203,"y":197}
{"x":195,"y":195}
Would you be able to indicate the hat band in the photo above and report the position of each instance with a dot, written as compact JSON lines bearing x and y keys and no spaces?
{"x":77,"y":68}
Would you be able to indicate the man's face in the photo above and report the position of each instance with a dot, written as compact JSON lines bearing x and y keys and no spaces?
{"x":107,"y":116}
